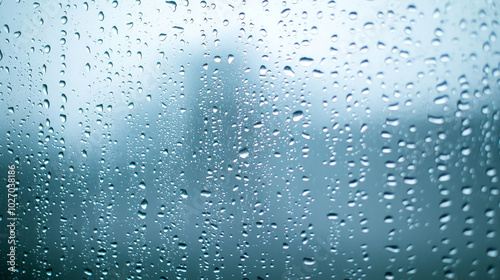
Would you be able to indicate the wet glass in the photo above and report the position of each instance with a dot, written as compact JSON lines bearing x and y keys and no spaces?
{"x":250,"y":139}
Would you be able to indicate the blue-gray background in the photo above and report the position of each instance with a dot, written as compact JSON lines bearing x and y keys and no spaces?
{"x":252,"y":140}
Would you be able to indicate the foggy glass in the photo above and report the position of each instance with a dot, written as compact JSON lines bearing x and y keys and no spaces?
{"x":252,"y":139}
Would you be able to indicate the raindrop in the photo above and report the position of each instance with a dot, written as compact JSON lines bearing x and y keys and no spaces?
{"x":306,"y":61}
{"x":333,"y":216}
{"x":442,"y":87}
{"x":435,"y":120}
{"x":206,"y":193}
{"x":309,"y":261}
{"x":288,"y":71}
{"x":184,"y":193}
{"x":172,"y":5}
{"x":144,"y":204}
{"x":243,"y":153}
{"x":297,"y":116}
{"x":492,"y":252}
{"x":392,"y":249}
{"x":285,"y":12}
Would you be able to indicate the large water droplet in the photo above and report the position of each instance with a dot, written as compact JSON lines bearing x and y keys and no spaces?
{"x":144,"y":204}
{"x":297,"y":116}
{"x":309,"y":261}
{"x":243,"y":153}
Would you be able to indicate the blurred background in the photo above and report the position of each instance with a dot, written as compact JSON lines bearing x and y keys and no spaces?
{"x":252,"y":140}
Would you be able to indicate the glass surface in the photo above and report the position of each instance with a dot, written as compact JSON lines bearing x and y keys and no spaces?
{"x":251,"y":139}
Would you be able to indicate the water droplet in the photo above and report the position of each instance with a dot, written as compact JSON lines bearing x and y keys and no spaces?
{"x":442,"y":87}
{"x":172,"y":5}
{"x":435,"y":120}
{"x":288,"y":71}
{"x":144,"y":204}
{"x":297,"y":116}
{"x":392,"y":248}
{"x":184,"y":193}
{"x":309,"y":261}
{"x":306,"y":61}
{"x":492,"y":252}
{"x":333,"y":216}
{"x":285,"y":12}
{"x":243,"y":153}
{"x":206,"y":193}
{"x":142,"y":215}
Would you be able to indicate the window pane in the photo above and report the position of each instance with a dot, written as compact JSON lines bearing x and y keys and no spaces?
{"x":251,"y":139}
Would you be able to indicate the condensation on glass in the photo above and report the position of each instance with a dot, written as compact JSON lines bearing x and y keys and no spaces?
{"x":253,"y":139}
